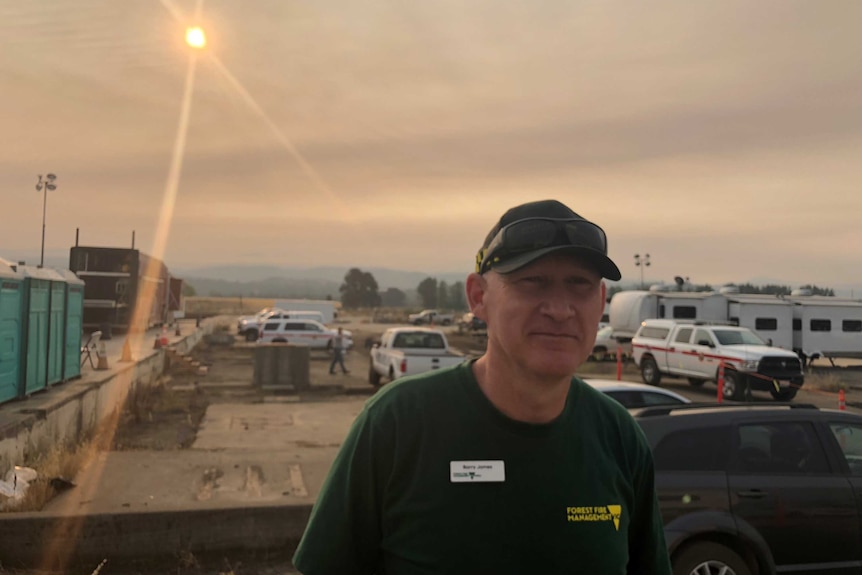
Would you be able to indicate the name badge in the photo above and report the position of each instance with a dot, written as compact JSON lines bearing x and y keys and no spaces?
{"x":477,"y":471}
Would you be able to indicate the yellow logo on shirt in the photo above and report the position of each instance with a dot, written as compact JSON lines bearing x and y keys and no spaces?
{"x":596,"y":514}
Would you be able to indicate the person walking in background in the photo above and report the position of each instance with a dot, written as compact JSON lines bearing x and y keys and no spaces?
{"x":338,"y":353}
{"x":506,"y":464}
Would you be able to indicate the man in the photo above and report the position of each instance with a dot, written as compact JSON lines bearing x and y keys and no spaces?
{"x":506,"y":464}
{"x":338,"y":352}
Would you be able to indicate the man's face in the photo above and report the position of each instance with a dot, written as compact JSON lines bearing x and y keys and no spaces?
{"x":542,"y":319}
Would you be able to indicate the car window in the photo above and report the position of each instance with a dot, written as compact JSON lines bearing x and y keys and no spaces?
{"x":704,"y":449}
{"x":626,"y":398}
{"x":271,"y":326}
{"x":702,"y":335}
{"x":683,"y":335}
{"x":738,"y":337}
{"x":849,"y":437}
{"x":658,"y":398}
{"x":782,"y":447}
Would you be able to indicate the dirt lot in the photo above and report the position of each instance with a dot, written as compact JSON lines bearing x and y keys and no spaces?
{"x":167,"y":416}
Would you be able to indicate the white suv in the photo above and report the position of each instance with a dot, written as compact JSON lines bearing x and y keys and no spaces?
{"x":302,"y":332}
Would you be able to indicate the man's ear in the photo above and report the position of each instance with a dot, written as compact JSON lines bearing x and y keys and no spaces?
{"x":476,"y":287}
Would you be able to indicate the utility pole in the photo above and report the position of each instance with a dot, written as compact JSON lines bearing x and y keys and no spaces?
{"x":43,"y":186}
{"x":642,"y":263}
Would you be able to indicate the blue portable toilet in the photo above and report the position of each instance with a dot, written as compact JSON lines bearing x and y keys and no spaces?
{"x":56,"y":328}
{"x":37,"y":324}
{"x":11,"y":330}
{"x":74,"y":324}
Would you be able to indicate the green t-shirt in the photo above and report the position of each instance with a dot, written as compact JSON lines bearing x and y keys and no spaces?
{"x":572,"y":496}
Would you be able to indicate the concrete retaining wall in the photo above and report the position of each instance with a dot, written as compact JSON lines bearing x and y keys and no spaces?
{"x":71,"y":412}
{"x":84,"y":540}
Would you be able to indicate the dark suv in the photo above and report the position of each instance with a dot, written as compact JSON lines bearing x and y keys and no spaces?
{"x":749,"y":489}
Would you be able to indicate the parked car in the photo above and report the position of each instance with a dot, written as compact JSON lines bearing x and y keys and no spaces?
{"x":633,"y":395}
{"x":430,"y":316}
{"x":242,"y":321}
{"x":607,"y":344}
{"x":250,"y":328}
{"x":751,"y":489}
{"x":301,"y":331}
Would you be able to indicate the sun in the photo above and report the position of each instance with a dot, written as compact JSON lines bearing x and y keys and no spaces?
{"x":195,"y":37}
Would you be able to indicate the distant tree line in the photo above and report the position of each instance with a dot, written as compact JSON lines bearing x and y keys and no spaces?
{"x":439,"y":294}
{"x":360,"y":289}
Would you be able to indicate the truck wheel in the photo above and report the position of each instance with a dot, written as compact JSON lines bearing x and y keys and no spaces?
{"x":447,"y":322}
{"x":373,"y":376}
{"x":391,"y":374}
{"x":251,"y":335}
{"x":695,"y":382}
{"x":599,"y":354}
{"x":784,"y":394}
{"x":707,"y":558}
{"x":732,"y":386}
{"x":649,"y":371}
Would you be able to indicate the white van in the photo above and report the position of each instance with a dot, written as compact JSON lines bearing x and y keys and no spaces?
{"x":302,"y":332}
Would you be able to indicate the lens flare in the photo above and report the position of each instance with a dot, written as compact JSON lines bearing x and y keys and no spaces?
{"x":195,"y":37}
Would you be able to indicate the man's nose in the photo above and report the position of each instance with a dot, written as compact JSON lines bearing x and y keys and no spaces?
{"x":559,"y":305}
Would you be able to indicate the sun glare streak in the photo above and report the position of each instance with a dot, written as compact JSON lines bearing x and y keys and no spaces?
{"x":175,"y":12}
{"x":288,"y":145}
{"x":67,"y":530}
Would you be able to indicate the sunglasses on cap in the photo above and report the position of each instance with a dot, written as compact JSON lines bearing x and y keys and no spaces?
{"x":533,"y":234}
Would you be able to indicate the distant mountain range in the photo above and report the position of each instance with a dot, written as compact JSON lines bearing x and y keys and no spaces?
{"x":322,"y":281}
{"x":316,"y":282}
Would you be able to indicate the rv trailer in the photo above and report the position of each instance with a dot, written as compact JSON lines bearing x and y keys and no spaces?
{"x":826,"y":327}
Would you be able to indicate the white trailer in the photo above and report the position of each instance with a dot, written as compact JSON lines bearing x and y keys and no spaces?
{"x":826,"y":327}
{"x":629,"y":308}
{"x":768,"y":316}
{"x":326,"y":307}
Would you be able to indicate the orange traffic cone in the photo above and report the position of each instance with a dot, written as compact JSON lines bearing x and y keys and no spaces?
{"x":127,"y":352}
{"x":164,"y":337}
{"x":841,"y":404}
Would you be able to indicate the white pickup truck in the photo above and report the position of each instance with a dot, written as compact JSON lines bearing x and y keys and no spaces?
{"x":407,"y":351}
{"x":431,"y":316}
{"x":696,"y":351}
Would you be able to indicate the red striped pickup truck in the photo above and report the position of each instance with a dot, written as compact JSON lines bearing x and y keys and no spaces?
{"x":700,"y":351}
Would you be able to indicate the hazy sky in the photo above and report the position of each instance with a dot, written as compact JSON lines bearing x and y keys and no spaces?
{"x":722,"y":137}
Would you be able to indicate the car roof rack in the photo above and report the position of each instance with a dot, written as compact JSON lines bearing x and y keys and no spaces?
{"x":660,"y":410}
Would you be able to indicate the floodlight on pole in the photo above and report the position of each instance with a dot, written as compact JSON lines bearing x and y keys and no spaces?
{"x":43,"y":186}
{"x":642,"y":263}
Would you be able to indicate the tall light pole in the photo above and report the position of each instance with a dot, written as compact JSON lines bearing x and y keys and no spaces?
{"x":642,"y":263}
{"x":44,"y":186}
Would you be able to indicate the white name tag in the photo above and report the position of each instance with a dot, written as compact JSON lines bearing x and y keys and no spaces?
{"x":477,"y":471}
